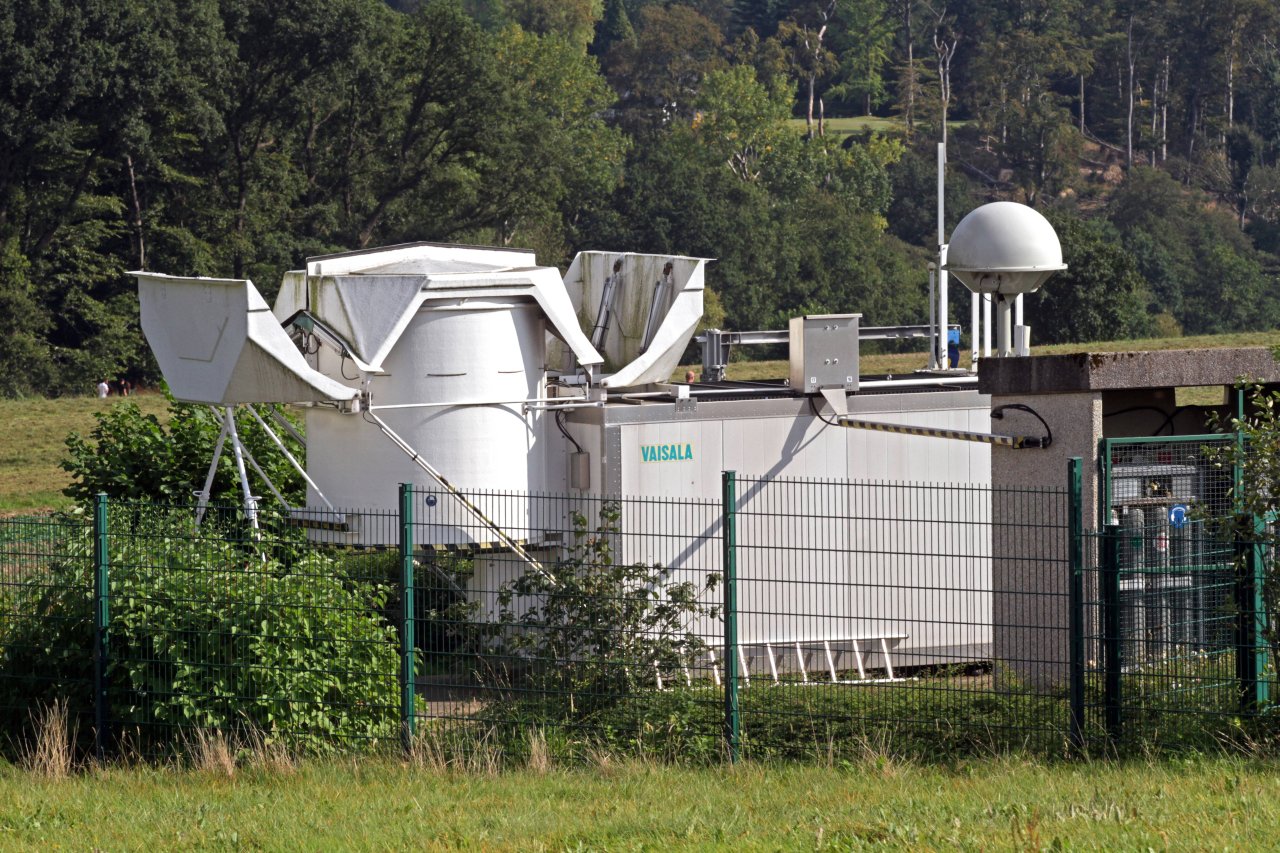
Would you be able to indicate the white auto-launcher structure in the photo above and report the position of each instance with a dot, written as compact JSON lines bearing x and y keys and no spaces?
{"x":469,"y":371}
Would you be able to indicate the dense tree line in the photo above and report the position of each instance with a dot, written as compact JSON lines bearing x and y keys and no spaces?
{"x":236,"y":137}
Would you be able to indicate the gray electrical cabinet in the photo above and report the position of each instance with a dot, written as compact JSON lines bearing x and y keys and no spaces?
{"x":824,"y":352}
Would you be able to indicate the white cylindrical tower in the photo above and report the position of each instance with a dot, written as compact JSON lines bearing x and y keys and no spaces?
{"x":454,"y":389}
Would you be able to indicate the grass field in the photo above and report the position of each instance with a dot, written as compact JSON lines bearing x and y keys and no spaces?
{"x":998,"y":803}
{"x":857,"y":124}
{"x":33,"y":442}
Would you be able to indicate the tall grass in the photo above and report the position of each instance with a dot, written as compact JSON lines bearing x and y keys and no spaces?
{"x":879,"y":801}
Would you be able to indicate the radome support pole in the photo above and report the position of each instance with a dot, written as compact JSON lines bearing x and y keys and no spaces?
{"x":1004,"y":326}
{"x":943,"y":308}
{"x":935,"y":337}
{"x":203,"y":498}
{"x":250,"y":505}
{"x":975,"y":329}
{"x":986,"y":324}
{"x":297,"y":466}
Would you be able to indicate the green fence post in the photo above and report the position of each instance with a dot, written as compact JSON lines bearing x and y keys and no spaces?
{"x":1250,"y":643}
{"x":732,"y":721}
{"x":1109,"y":583}
{"x":1075,"y":487}
{"x":408,"y":689}
{"x":101,"y":624}
{"x":1262,"y":694}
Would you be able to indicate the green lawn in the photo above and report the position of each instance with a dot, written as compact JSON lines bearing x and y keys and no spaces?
{"x":847,"y":125}
{"x":996,"y":803}
{"x":33,"y":442}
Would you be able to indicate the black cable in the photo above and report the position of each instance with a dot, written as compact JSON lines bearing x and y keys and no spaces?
{"x":1155,"y":409}
{"x":1168,"y":416}
{"x":998,"y":413}
{"x":342,"y":368}
{"x":1168,"y":421}
{"x":559,"y":419}
{"x":817,"y":413}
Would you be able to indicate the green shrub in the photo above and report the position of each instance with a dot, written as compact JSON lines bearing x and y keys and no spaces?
{"x":588,"y":631}
{"x":132,"y":456}
{"x":213,"y":633}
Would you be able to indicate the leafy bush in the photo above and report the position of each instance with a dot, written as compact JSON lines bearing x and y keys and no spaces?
{"x":588,"y":631}
{"x":214,"y":633}
{"x":133,"y":456}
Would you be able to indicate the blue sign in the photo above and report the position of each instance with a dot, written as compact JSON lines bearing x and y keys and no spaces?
{"x":1178,"y":516}
{"x":431,"y":500}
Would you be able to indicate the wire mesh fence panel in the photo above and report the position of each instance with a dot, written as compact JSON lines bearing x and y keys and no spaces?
{"x":593,"y":620}
{"x":46,"y":625}
{"x":245,"y":627}
{"x":1172,"y":648}
{"x":1172,"y":487}
{"x":926,"y":615}
{"x":1178,"y":575}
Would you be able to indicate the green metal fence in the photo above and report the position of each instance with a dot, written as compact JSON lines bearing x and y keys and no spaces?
{"x":1173,"y":655}
{"x":1173,"y":641}
{"x":789,"y":618}
{"x":782,"y":618}
{"x":45,"y":590}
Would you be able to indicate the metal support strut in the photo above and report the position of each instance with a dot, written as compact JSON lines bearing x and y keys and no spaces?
{"x":516,"y":547}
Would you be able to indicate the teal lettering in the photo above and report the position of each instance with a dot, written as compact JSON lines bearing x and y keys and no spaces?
{"x":665,"y":452}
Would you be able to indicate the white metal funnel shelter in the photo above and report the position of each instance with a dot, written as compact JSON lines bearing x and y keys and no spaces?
{"x":217,"y":342}
{"x":1005,"y":249}
{"x":641,"y":311}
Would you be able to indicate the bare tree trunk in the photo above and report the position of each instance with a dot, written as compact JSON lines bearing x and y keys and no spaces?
{"x":1231,"y":82}
{"x":1129,"y":60}
{"x":1195,"y":123}
{"x":911,"y":67}
{"x":945,"y":51}
{"x":1164,"y":112}
{"x":139,"y":242}
{"x":808,"y":121}
{"x":1155,"y":115}
{"x":1082,"y":105}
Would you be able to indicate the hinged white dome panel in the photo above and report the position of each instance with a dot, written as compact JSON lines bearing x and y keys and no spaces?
{"x":653,"y":302}
{"x":217,"y":342}
{"x":369,"y":298}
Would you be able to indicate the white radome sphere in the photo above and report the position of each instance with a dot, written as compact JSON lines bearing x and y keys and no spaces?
{"x":1004,"y":247}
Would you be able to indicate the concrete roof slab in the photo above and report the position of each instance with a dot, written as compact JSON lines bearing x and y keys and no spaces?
{"x":1103,"y":371}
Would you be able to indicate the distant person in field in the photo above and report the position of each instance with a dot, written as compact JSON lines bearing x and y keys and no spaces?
{"x":126,"y":388}
{"x":103,"y":389}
